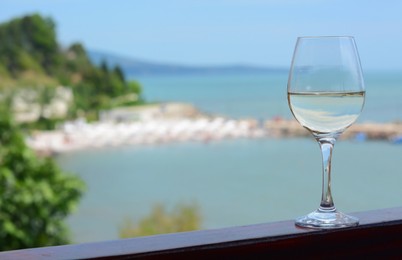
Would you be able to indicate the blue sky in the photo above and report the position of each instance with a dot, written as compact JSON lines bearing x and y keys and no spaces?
{"x":209,"y":32}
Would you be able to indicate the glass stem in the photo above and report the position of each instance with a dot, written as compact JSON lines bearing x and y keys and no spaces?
{"x":326,"y":145}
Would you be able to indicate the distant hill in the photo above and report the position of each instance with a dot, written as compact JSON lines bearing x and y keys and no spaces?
{"x":135,"y":67}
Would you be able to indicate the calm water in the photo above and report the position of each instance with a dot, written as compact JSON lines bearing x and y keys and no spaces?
{"x":264,"y":96}
{"x":236,"y":182}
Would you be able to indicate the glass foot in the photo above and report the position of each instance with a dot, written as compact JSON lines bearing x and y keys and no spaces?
{"x":327,"y":219}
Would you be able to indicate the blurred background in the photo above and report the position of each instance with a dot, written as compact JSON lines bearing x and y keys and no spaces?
{"x":124,"y":119}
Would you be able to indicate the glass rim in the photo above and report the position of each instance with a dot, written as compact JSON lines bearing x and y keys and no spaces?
{"x":326,"y":36}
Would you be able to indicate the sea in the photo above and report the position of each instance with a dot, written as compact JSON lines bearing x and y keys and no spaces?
{"x":236,"y":181}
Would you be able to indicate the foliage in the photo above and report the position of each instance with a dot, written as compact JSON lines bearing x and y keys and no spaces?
{"x":31,"y":56}
{"x":35,"y":195}
{"x":184,"y":217}
{"x":29,"y":43}
{"x":42,"y":123}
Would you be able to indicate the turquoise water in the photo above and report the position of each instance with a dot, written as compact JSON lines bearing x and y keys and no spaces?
{"x":235,"y":182}
{"x":237,"y":96}
{"x":264,"y":96}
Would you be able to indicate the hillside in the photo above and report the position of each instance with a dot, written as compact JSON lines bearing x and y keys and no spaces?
{"x":136,"y":67}
{"x":31,"y":58}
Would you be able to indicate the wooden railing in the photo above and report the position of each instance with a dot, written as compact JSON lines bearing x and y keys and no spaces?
{"x":378,"y":235}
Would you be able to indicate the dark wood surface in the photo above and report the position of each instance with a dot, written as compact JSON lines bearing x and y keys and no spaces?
{"x":378,"y":235}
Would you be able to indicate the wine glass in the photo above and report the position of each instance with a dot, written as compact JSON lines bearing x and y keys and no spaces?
{"x":326,"y":95}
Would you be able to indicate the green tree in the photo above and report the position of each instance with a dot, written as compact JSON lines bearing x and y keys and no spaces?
{"x":184,"y":217}
{"x":119,"y":72}
{"x":32,"y":34}
{"x":104,"y":67}
{"x":134,"y":87}
{"x":35,"y":195}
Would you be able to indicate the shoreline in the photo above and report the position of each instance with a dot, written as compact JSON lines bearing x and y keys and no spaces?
{"x":81,"y":135}
{"x":176,"y":122}
{"x":361,"y":131}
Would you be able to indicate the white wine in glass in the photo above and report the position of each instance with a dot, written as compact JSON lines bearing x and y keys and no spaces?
{"x":326,"y":95}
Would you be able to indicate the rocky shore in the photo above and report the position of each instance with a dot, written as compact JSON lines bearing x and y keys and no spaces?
{"x":368,"y":130}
